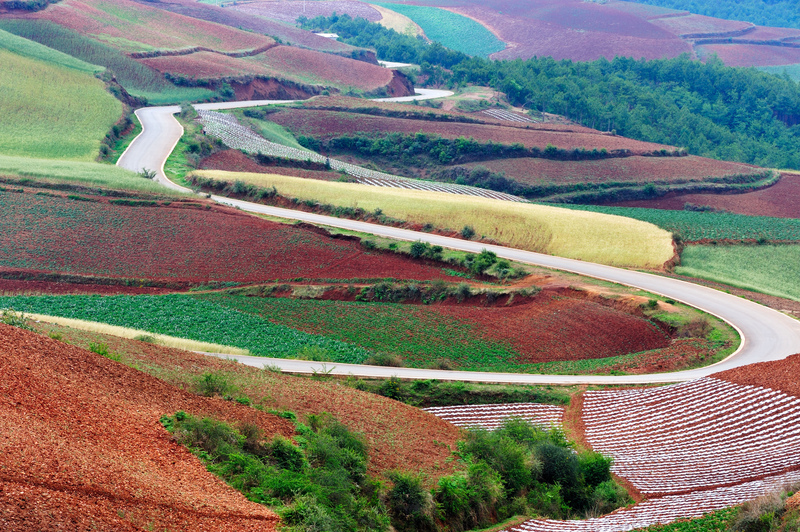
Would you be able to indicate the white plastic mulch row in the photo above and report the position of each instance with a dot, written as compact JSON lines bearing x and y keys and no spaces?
{"x":508,"y":116}
{"x":492,"y":416}
{"x":236,"y":136}
{"x":666,"y":509}
{"x":695,"y":435}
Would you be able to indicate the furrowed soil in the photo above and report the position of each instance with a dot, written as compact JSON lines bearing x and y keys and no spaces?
{"x":328,"y":124}
{"x":236,"y":161}
{"x":781,"y":200}
{"x":82,"y":446}
{"x":778,"y":375}
{"x":399,"y":436}
{"x":181,"y":242}
{"x":624,"y":169}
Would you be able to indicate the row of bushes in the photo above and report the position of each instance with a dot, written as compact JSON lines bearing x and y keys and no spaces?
{"x":321,"y":482}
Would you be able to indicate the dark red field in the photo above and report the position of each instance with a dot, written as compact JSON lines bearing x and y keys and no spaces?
{"x":781,"y":200}
{"x":327,"y":124}
{"x":699,"y":25}
{"x":180,"y":245}
{"x":236,"y":161}
{"x":627,"y":169}
{"x":744,"y":55}
{"x":83,"y":448}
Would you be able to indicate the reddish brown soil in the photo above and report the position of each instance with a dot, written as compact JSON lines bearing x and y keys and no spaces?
{"x":745,"y":55}
{"x":399,"y":436}
{"x":778,"y":375}
{"x":156,"y":28}
{"x":555,"y":327}
{"x":236,"y":161}
{"x":681,"y":354}
{"x":328,"y":124}
{"x":82,"y":445}
{"x":627,"y":169}
{"x":35,"y":288}
{"x":702,"y":25}
{"x":179,"y":244}
{"x":765,"y":33}
{"x":781,"y":200}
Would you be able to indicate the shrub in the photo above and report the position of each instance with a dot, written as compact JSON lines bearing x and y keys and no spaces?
{"x":102,"y":350}
{"x":467,"y":232}
{"x":214,"y":383}
{"x":478,"y":264}
{"x":385,"y":359}
{"x":410,"y":504}
{"x":15,"y":319}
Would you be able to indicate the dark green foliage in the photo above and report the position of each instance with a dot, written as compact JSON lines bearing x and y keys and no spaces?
{"x":410,"y":504}
{"x":780,"y":13}
{"x":27,"y":5}
{"x":211,"y":384}
{"x":319,"y":484}
{"x":424,"y":250}
{"x":478,"y":264}
{"x":467,"y":232}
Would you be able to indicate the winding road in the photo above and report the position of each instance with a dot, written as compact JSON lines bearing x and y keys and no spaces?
{"x":766,"y":333}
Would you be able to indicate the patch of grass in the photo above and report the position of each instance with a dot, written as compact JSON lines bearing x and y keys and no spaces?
{"x":769,"y":269}
{"x":693,"y":226}
{"x":88,"y":174}
{"x":31,"y":49}
{"x":52,"y":112}
{"x":455,"y":31}
{"x":269,"y":130}
{"x":719,"y":521}
{"x":573,"y":234}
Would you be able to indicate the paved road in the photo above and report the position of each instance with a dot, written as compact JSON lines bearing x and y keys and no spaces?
{"x":767,"y":334}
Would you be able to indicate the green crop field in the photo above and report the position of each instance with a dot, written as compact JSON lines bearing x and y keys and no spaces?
{"x":34,"y":50}
{"x":52,"y":112}
{"x":720,"y":521}
{"x":80,"y":173}
{"x":455,"y":31}
{"x":418,"y":334}
{"x":138,"y":79}
{"x":695,"y":226}
{"x":187,"y":317}
{"x":770,"y":269}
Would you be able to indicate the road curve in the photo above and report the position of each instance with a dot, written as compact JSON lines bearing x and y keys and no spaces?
{"x":766,"y":333}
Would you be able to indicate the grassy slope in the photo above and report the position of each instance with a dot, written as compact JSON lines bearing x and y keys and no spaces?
{"x":52,"y":112}
{"x":586,"y":236}
{"x":33,"y":50}
{"x":79,"y":173}
{"x":452,"y":30}
{"x":773,"y":270}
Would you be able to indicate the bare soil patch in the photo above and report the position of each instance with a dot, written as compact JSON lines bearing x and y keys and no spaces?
{"x":778,"y":375}
{"x":781,"y":200}
{"x":82,"y":444}
{"x":236,"y":161}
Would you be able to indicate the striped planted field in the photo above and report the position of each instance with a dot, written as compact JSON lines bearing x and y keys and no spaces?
{"x":492,"y":416}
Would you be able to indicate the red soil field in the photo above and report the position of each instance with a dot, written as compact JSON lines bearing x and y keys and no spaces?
{"x":285,"y":62}
{"x":781,"y":200}
{"x":131,"y":22}
{"x":765,"y":33}
{"x":328,"y":124}
{"x":645,"y":11}
{"x":82,"y":446}
{"x":236,"y":19}
{"x":399,"y":436}
{"x":627,"y":169}
{"x":288,"y":11}
{"x":702,"y":25}
{"x":745,"y":55}
{"x":236,"y":161}
{"x":574,"y":30}
{"x":778,"y":375}
{"x":13,"y":287}
{"x":554,"y":328}
{"x":180,"y":244}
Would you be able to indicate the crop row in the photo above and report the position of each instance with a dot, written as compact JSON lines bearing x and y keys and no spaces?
{"x":239,"y":137}
{"x":195,"y":319}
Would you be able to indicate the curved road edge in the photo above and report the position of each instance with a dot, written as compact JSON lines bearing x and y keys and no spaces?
{"x":766,"y":334}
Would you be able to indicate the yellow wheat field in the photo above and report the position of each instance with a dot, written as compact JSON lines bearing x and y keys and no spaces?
{"x":588,"y":236}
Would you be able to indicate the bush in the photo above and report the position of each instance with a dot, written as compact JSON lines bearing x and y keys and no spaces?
{"x":410,"y":504}
{"x":211,"y":384}
{"x":15,"y":319}
{"x":478,"y":264}
{"x":102,"y":350}
{"x":467,"y":232}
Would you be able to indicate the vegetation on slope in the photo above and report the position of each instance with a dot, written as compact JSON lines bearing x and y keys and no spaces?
{"x":608,"y":240}
{"x":780,"y":13}
{"x":709,"y":109}
{"x":52,"y":112}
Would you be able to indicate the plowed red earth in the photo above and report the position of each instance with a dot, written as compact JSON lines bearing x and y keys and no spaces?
{"x":82,"y":447}
{"x":781,"y":200}
{"x":701,"y":25}
{"x":745,"y":55}
{"x":778,"y":375}
{"x":627,"y":169}
{"x":179,"y":244}
{"x":285,"y":62}
{"x":399,"y":436}
{"x":236,"y":161}
{"x":328,"y":124}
